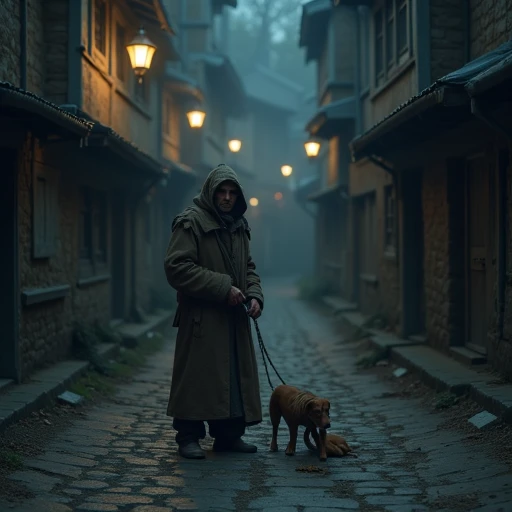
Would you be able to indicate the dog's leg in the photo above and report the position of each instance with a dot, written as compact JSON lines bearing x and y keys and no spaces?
{"x":292,"y":445}
{"x":275,"y":419}
{"x":323,"y":435}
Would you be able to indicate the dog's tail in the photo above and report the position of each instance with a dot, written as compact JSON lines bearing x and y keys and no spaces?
{"x":307,"y":441}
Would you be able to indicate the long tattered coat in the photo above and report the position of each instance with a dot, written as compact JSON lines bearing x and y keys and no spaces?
{"x":197,"y":268}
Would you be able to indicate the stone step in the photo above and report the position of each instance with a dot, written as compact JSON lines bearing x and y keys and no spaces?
{"x":418,"y":338}
{"x":338,"y":304}
{"x":467,"y":356}
{"x":5,"y":384}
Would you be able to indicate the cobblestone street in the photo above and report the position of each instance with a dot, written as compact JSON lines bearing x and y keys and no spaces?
{"x":122,"y":456}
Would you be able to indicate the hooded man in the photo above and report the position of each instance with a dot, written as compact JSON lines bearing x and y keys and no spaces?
{"x":215,"y":375}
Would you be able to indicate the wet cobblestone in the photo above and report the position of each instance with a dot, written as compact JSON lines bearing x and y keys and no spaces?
{"x":122,"y":456}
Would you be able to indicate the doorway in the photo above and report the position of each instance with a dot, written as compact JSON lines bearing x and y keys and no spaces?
{"x":118,"y":259}
{"x":9,"y":296}
{"x":412,"y":254}
{"x":477,"y":253}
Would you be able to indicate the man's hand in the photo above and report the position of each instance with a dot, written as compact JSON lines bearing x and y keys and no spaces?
{"x":254,"y":311}
{"x":235,"y":296}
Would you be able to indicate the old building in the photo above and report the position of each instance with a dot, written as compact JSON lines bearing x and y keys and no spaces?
{"x":430,"y":169}
{"x":328,"y":37}
{"x":96,"y":171}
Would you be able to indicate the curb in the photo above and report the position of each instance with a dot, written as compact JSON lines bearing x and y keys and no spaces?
{"x":435,"y":369}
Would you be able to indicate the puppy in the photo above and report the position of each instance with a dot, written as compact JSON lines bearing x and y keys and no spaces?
{"x":335,"y":446}
{"x":299,"y":408}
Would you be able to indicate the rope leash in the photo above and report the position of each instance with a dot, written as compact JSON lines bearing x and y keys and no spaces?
{"x":264,"y":353}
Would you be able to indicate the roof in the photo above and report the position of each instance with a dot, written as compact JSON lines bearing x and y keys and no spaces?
{"x":24,"y":103}
{"x":265,"y":85}
{"x":451,"y":90}
{"x":152,"y":12}
{"x":183,"y":83}
{"x":225,"y":82}
{"x":314,"y":21}
{"x":326,"y":121}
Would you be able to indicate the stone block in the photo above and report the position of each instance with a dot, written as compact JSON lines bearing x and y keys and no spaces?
{"x":400,"y":372}
{"x":483,"y":420}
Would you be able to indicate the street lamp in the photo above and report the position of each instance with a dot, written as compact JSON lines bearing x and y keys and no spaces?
{"x":312,"y":148}
{"x":196,"y":118}
{"x":235,"y":145}
{"x":286,"y":170}
{"x":253,"y":201}
{"x":141,"y":51}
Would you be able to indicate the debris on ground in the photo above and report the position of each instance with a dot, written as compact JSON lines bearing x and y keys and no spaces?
{"x":400,"y":372}
{"x":312,"y":469}
{"x":71,"y":398}
{"x":483,"y":420}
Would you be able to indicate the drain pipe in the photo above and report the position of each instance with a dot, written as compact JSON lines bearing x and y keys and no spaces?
{"x":503,"y":162}
{"x":23,"y":43}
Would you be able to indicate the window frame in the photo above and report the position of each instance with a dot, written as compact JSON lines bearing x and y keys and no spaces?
{"x":401,"y":57}
{"x":101,"y":57}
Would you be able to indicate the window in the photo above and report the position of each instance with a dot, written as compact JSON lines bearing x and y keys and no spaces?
{"x":93,"y":228}
{"x":390,"y":34}
{"x":391,"y":38}
{"x":379,"y":46}
{"x":167,"y":116}
{"x":390,"y":220}
{"x":100,"y":26}
{"x":121,"y":53}
{"x":45,"y":213}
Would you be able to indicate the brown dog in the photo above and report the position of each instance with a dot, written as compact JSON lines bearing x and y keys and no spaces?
{"x":299,"y":408}
{"x":335,"y":446}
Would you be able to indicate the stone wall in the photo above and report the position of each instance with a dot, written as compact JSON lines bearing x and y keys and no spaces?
{"x":35,"y":47}
{"x":448,"y":37}
{"x":46,"y":328}
{"x":490,"y":25}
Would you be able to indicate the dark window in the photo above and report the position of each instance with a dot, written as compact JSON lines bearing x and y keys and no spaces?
{"x":390,"y":33}
{"x":167,"y":115}
{"x":121,"y":53}
{"x":379,"y":45}
{"x":100,"y":26}
{"x":93,"y":226}
{"x":402,"y":40}
{"x":390,"y":223}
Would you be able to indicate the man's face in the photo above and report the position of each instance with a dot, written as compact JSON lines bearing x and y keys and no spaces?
{"x":226,"y":196}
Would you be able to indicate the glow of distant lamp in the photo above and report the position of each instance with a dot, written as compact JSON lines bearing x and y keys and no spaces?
{"x":286,"y":170}
{"x":278,"y":196}
{"x":196,"y":118}
{"x":312,"y":148}
{"x":235,"y":145}
{"x":253,"y":201}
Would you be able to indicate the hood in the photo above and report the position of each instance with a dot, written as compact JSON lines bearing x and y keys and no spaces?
{"x":205,"y":199}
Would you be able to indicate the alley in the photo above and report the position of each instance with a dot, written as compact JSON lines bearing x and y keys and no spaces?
{"x":121,"y":455}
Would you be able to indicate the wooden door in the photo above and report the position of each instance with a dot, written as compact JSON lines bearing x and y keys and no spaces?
{"x":477,"y":244}
{"x":9,"y":289}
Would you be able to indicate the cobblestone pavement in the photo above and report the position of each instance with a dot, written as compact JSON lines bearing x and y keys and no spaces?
{"x":122,"y":456}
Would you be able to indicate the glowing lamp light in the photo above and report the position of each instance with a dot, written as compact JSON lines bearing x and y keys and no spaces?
{"x":141,"y":51}
{"x":312,"y":148}
{"x":286,"y":170}
{"x":235,"y":145}
{"x":196,"y":118}
{"x":254,"y":201}
{"x":278,"y":196}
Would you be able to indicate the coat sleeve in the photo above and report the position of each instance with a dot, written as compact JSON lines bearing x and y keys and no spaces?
{"x":254,"y":283}
{"x":185,"y":275}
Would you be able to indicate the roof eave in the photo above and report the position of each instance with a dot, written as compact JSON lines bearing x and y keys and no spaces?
{"x":495,"y":76}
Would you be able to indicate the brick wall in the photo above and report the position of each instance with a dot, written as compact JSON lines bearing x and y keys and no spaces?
{"x":490,"y":25}
{"x":56,"y":18}
{"x":436,"y":264}
{"x":45,"y":329}
{"x":448,"y":36}
{"x":10,"y":41}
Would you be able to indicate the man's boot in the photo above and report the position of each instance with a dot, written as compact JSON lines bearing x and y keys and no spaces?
{"x":191,"y":450}
{"x":237,"y":445}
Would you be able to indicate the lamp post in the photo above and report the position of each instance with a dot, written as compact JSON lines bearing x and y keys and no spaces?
{"x":196,"y":117}
{"x":235,"y":145}
{"x":141,"y":51}
{"x":312,"y":148}
{"x":286,"y":170}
